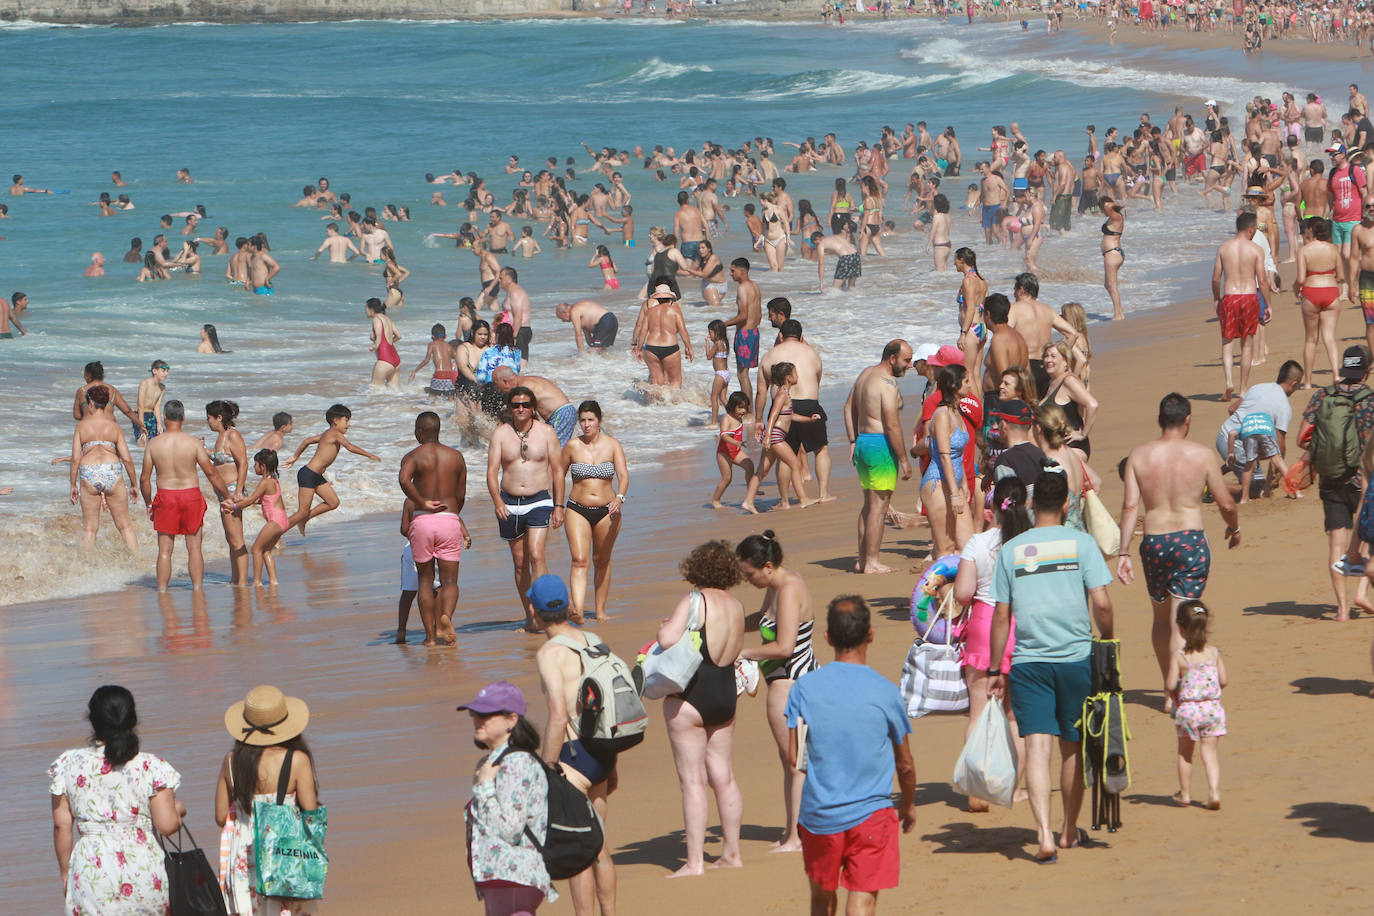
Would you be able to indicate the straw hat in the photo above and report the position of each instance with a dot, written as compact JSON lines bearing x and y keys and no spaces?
{"x":266,"y":716}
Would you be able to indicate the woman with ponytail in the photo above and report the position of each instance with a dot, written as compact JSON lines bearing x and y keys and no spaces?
{"x":115,"y":797}
{"x":973,"y":584}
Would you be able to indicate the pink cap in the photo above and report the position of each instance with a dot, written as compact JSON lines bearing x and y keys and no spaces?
{"x":948,"y":355}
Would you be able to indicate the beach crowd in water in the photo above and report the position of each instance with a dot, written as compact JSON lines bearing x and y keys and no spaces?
{"x":1000,"y":442}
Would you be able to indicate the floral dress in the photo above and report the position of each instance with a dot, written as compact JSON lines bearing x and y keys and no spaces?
{"x":238,"y":866}
{"x":1199,"y":713}
{"x":116,"y":864}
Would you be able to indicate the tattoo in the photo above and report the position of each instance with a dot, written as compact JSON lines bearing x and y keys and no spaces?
{"x":890,"y":381}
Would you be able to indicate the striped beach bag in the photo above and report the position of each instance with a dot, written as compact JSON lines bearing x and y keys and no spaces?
{"x":932,"y":678}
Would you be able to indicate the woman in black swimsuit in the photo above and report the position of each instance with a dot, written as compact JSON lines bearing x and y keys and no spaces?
{"x":596,"y":461}
{"x":1112,"y":255}
{"x":701,"y":720}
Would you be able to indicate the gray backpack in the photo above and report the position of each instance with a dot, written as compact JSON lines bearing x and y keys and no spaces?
{"x":610,"y":713}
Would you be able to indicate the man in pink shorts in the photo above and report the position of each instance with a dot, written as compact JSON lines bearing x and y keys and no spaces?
{"x":434,"y":478}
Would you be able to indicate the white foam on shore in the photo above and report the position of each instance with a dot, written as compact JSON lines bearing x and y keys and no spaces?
{"x":977,"y":68}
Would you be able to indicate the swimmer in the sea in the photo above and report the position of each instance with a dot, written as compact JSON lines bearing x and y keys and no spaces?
{"x":527,"y":247}
{"x":184,"y":177}
{"x":236,"y":271}
{"x":262,"y":268}
{"x":282,"y":424}
{"x":97,"y":267}
{"x":118,"y":180}
{"x":340,"y":249}
{"x":219,"y":243}
{"x":18,"y":190}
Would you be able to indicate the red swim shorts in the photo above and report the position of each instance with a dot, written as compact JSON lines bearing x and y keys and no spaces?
{"x":1239,"y":315}
{"x":867,"y":856}
{"x":178,"y":511}
{"x":436,"y":535}
{"x":1195,"y":164}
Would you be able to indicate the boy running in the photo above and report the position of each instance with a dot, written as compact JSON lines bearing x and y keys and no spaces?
{"x":310,"y":479}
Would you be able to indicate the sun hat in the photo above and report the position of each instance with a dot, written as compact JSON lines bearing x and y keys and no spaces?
{"x":663,"y":292}
{"x":498,"y":696}
{"x":266,"y":716}
{"x":1212,"y":103}
{"x":948,"y":355}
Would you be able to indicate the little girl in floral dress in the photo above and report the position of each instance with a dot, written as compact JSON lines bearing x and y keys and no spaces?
{"x":1196,"y":676}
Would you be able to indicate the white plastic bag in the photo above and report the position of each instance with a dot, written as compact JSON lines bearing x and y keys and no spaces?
{"x":986,"y":767}
{"x":668,"y":671}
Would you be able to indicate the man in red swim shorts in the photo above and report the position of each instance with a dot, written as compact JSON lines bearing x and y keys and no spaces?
{"x":179,"y":508}
{"x":434,"y":477}
{"x":1241,"y":262}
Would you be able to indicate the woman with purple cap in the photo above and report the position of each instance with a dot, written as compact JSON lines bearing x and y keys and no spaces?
{"x":508,"y":810}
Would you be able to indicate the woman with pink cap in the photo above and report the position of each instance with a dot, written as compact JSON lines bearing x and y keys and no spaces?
{"x":508,"y":811}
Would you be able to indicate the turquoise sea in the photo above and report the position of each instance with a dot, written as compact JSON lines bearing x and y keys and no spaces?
{"x":257,"y":111}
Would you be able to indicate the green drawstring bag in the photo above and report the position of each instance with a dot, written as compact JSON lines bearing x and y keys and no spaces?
{"x":288,"y":844}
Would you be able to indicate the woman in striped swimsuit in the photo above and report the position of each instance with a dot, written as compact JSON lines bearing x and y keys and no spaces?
{"x":785,"y":620}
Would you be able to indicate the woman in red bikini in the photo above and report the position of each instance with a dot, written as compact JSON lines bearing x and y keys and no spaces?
{"x":1317,"y":294}
{"x":384,"y":336}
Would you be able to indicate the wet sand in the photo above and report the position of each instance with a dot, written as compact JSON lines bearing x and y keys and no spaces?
{"x":395,"y":759}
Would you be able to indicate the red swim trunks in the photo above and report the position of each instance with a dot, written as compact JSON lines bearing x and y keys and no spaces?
{"x":867,"y":857}
{"x":1239,"y":315}
{"x":1195,"y":164}
{"x":178,"y":511}
{"x":436,"y":535}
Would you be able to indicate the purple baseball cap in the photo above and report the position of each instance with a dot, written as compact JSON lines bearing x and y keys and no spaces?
{"x":498,"y":696}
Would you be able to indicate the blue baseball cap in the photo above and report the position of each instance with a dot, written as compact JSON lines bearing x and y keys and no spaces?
{"x":548,"y":593}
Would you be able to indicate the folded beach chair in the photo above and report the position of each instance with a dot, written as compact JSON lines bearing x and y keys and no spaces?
{"x":1105,"y":733}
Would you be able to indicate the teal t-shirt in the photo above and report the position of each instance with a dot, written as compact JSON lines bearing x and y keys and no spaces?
{"x":1045,"y":575}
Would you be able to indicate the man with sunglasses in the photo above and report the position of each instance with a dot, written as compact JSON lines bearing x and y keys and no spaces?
{"x":525,"y":479}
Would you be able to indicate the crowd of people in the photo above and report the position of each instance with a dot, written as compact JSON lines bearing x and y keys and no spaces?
{"x":1001,"y":442}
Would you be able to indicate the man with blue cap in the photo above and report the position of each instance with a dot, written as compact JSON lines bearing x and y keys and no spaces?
{"x":560,"y":674}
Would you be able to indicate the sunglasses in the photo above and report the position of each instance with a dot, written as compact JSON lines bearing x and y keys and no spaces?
{"x":521,"y":405}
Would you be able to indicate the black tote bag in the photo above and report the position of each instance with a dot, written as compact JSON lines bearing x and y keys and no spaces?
{"x":192,"y":886}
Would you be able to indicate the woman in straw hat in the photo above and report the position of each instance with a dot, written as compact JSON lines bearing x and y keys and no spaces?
{"x":264,"y":726}
{"x":115,"y":796}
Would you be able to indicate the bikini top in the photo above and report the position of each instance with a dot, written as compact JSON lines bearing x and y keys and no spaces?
{"x":1107,"y":230}
{"x":580,"y":470}
{"x":87,"y":446}
{"x":1316,"y":273}
{"x":218,"y":458}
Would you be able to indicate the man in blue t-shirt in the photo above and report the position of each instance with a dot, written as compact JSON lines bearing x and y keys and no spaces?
{"x":856,"y":739}
{"x":1048,"y":577}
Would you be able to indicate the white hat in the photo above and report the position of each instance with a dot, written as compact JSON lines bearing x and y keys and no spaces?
{"x":1212,"y":102}
{"x":924,"y":351}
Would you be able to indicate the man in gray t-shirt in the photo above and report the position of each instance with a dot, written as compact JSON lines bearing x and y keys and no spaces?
{"x":1267,"y":397}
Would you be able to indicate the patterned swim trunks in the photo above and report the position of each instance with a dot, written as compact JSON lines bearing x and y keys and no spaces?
{"x":874,"y":461}
{"x":1239,"y":314}
{"x":746,"y":348}
{"x":1175,"y":564}
{"x":1367,"y":295}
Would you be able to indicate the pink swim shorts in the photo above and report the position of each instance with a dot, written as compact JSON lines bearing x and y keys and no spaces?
{"x":436,"y":535}
{"x":978,"y":639}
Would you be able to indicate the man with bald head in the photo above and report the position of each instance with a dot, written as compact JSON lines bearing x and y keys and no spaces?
{"x":551,"y":404}
{"x":873,"y":423}
{"x":434,"y":477}
{"x":594,"y":325}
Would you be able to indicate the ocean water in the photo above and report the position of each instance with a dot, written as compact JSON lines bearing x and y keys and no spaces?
{"x":257,"y":111}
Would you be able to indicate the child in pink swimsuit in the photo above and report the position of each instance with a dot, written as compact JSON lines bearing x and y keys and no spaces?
{"x":1196,"y":676}
{"x":268,"y":493}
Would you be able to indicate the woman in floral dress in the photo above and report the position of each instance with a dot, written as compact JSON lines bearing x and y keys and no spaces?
{"x":265,"y":725}
{"x":115,"y":797}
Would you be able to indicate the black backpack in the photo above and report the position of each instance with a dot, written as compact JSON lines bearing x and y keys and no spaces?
{"x":574,"y":837}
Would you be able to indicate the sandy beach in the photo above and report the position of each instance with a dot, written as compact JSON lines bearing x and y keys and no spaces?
{"x":395,"y":759}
